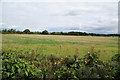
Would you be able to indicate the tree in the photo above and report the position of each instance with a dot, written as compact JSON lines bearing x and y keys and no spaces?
{"x":4,"y":31}
{"x":27,"y":31}
{"x":45,"y":32}
{"x":11,"y":31}
{"x":53,"y":33}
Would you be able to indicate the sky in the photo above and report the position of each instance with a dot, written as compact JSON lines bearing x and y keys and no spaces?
{"x":91,"y":17}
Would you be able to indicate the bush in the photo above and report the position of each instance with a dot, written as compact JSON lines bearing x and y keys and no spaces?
{"x":16,"y":68}
{"x":116,"y":60}
{"x":54,"y":68}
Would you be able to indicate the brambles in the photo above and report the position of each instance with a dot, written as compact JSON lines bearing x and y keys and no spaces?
{"x":116,"y":62}
{"x":16,"y":68}
{"x":116,"y":58}
{"x":34,"y":66}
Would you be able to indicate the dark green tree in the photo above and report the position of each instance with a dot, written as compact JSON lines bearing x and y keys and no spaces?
{"x":45,"y":32}
{"x":26,"y":31}
{"x":11,"y":31}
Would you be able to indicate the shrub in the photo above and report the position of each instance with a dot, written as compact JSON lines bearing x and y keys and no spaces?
{"x":116,"y":63}
{"x":16,"y":68}
{"x":55,"y":68}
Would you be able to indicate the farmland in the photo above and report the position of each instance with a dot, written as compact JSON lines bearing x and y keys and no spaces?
{"x":62,"y":45}
{"x":58,"y":57}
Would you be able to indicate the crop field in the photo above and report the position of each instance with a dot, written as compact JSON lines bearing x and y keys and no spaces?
{"x":60,"y":45}
{"x":58,"y":57}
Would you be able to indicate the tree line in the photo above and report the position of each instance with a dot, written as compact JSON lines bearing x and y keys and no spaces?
{"x":45,"y":32}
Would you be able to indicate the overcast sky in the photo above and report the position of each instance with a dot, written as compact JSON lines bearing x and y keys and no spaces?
{"x":96,"y":17}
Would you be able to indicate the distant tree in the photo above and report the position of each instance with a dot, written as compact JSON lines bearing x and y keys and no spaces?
{"x":19,"y":32}
{"x":61,"y":33}
{"x":45,"y":32}
{"x":4,"y":31}
{"x":53,"y":33}
{"x":9,"y":31}
{"x":12,"y":31}
{"x":27,"y":31}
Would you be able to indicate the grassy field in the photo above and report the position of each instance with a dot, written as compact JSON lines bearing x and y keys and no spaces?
{"x":57,"y":57}
{"x":61,"y":45}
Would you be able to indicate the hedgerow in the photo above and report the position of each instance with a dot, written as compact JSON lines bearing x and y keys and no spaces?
{"x":28,"y":67}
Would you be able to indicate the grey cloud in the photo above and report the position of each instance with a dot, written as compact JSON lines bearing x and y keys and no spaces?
{"x":72,"y":13}
{"x":94,"y":17}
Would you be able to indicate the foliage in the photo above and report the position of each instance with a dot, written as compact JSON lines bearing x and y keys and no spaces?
{"x":12,"y":31}
{"x":16,"y":68}
{"x":45,"y":32}
{"x":116,"y":60}
{"x":27,"y":31}
{"x":33,"y":66}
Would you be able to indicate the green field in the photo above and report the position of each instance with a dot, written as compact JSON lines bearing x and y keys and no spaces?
{"x":61,"y":45}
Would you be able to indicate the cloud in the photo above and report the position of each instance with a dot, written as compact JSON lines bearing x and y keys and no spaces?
{"x":75,"y":10}
{"x":72,"y":13}
{"x":1,"y":24}
{"x":83,"y":16}
{"x":13,"y":27}
{"x":60,"y":0}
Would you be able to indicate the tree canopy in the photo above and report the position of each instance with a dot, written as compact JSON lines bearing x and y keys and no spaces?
{"x":45,"y":32}
{"x":27,"y":31}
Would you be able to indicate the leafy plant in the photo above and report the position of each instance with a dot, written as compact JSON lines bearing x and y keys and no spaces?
{"x":116,"y":60}
{"x":16,"y":68}
{"x":30,"y":67}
